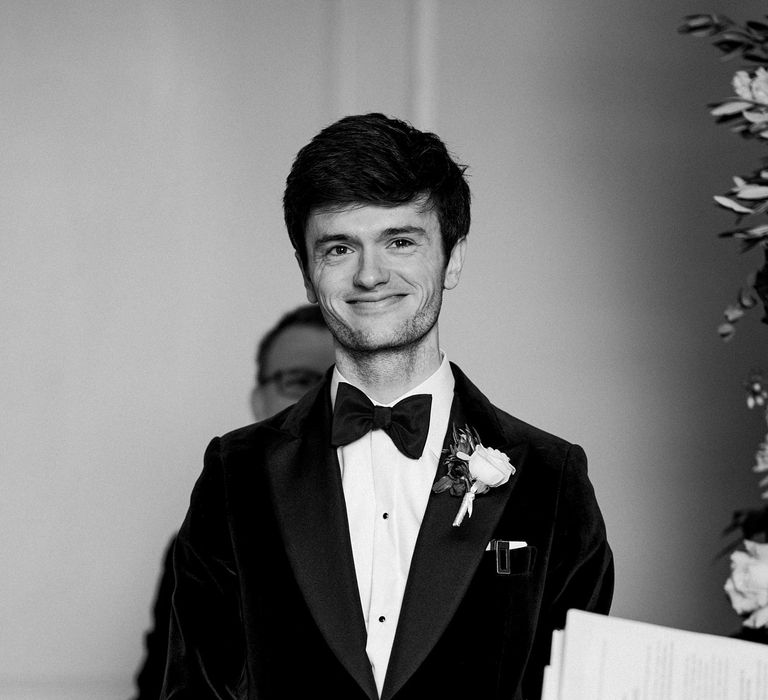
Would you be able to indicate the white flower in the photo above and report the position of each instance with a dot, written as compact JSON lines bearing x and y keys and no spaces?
{"x":490,"y":466}
{"x":752,"y":88}
{"x":742,"y":85}
{"x":484,"y":469}
{"x":747,"y":586}
{"x":760,"y":86}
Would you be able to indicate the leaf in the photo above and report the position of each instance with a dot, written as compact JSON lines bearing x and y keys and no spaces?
{"x":699,"y":25}
{"x":728,"y":45}
{"x":442,"y":484}
{"x":730,"y":107}
{"x":735,"y":122}
{"x":699,"y":20}
{"x":753,"y":192}
{"x":726,"y":331}
{"x":749,"y":237}
{"x":736,"y":35}
{"x":730,"y":204}
{"x":755,"y":117}
{"x":746,"y":299}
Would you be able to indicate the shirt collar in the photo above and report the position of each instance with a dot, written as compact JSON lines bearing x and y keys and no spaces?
{"x":439,"y":385}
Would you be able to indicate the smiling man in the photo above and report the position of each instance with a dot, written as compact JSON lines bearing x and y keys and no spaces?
{"x":392,"y":535}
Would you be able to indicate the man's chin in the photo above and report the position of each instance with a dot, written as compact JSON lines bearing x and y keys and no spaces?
{"x":379,"y":343}
{"x":370,"y":346}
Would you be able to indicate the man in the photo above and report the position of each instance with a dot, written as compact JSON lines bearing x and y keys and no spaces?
{"x":291,"y":358}
{"x":322,"y":555}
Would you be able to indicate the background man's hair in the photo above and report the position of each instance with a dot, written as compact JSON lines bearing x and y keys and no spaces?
{"x":305,"y":315}
{"x":373,"y":159}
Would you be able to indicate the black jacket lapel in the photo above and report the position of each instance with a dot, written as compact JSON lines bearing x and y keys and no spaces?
{"x":310,"y":506}
{"x":445,"y":557}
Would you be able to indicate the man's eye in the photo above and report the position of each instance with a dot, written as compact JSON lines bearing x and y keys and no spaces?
{"x":402,"y":243}
{"x":338,"y":250}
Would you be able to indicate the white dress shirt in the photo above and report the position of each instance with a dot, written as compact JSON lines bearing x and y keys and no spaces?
{"x":386,"y":495}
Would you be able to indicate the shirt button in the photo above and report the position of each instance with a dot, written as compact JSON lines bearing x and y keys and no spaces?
{"x":385,"y":516}
{"x":382,"y":618}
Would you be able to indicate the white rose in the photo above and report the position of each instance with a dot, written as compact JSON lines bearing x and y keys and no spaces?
{"x":490,"y":466}
{"x":742,"y":85}
{"x":747,"y":586}
{"x":760,"y":86}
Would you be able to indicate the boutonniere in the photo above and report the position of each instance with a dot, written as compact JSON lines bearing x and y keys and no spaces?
{"x":472,"y":469}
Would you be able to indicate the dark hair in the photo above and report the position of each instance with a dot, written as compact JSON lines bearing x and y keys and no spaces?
{"x":306,"y":315}
{"x":373,"y":159}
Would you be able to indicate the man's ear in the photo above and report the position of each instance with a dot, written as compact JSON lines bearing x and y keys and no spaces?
{"x":455,"y":264}
{"x":310,"y":290}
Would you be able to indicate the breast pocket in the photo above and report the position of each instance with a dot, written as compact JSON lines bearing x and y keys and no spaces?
{"x":511,"y":560}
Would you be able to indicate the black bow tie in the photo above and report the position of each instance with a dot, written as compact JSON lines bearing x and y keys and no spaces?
{"x":406,"y":423}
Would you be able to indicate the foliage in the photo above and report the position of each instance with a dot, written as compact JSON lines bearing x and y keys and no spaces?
{"x":746,"y":113}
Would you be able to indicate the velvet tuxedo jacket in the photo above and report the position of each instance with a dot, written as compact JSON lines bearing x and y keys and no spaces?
{"x":266,"y":603}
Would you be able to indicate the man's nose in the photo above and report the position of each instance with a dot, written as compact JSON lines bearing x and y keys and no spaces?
{"x":371,"y":270}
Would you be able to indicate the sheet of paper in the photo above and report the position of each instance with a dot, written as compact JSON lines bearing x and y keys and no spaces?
{"x":551,"y":685}
{"x":609,"y":658}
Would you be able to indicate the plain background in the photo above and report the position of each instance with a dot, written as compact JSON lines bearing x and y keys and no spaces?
{"x":142,"y":253}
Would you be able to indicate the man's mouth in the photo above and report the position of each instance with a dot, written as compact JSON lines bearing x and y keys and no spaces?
{"x":374,"y":303}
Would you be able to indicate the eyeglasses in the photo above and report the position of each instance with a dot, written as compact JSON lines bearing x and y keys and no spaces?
{"x":294,"y":383}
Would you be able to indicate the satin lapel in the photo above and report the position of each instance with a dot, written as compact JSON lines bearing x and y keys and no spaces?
{"x":445,"y":557}
{"x":309,"y":502}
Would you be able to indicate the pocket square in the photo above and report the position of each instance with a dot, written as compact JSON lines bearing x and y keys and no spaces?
{"x":510,"y":544}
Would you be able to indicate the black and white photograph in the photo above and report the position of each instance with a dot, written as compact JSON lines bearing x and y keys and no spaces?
{"x":404,"y":350}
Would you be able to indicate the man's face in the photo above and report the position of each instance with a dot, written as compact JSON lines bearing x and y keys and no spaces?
{"x":378,"y":273}
{"x":294,"y":363}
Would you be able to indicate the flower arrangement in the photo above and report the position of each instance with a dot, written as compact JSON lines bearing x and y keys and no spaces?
{"x":746,"y":113}
{"x":747,"y":586}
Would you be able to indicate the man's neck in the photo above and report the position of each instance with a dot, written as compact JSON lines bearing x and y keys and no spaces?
{"x":385,"y":375}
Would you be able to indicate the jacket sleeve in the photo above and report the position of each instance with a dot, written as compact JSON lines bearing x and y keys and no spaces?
{"x":149,"y":677}
{"x":205,"y":645}
{"x":580,"y":573}
{"x":582,"y":561}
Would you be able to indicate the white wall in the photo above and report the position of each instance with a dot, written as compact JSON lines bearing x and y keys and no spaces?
{"x":142,"y":253}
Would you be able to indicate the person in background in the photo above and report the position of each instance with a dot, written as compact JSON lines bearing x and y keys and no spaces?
{"x":291,"y":359}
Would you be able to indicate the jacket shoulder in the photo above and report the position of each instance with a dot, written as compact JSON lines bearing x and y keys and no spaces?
{"x":251,"y":438}
{"x":546,"y":447}
{"x":531,"y":433}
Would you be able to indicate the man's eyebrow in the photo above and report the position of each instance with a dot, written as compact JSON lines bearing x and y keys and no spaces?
{"x":400,"y":230}
{"x":325,"y":238}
